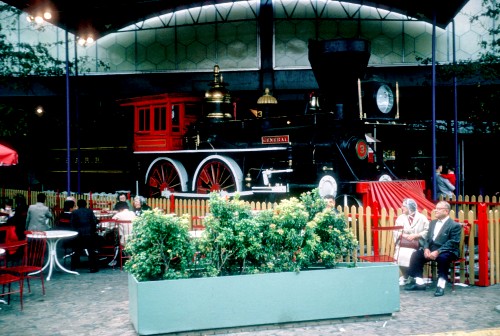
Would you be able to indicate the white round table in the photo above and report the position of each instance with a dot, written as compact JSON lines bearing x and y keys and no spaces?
{"x":53,"y":237}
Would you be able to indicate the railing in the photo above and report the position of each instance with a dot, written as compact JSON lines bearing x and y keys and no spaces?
{"x":482,"y":213}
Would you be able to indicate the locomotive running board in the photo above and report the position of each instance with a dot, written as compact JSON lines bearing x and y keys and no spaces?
{"x":275,"y":189}
{"x":215,"y":150}
{"x":195,"y":195}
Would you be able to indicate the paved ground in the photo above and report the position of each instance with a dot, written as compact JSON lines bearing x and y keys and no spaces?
{"x":97,"y":304}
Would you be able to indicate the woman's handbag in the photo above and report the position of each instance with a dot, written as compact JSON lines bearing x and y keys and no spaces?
{"x":405,"y":242}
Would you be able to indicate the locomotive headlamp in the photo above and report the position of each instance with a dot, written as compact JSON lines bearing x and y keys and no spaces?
{"x":384,"y":98}
{"x":378,"y":100}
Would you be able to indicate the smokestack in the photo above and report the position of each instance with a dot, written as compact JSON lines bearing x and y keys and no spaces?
{"x":337,"y":64}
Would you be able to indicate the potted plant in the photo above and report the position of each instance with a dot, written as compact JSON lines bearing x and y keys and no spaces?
{"x":291,"y":263}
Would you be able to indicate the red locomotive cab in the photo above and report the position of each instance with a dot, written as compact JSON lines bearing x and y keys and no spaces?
{"x":161,"y":121}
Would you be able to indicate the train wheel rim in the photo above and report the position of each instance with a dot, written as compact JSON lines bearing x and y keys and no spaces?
{"x":217,"y":173}
{"x":165,"y":176}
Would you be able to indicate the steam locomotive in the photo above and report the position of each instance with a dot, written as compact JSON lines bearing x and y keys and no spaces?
{"x":190,"y":146}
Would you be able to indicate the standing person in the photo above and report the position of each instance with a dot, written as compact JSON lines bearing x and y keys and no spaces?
{"x":443,"y":186}
{"x":450,"y":176}
{"x":415,"y":227}
{"x":442,"y":246}
{"x":39,"y":215}
{"x":330,"y":202}
{"x":84,"y":221}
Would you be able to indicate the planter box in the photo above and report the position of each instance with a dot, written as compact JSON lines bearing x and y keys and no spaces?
{"x":169,"y":306}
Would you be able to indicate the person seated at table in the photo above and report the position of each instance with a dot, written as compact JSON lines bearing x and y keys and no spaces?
{"x":64,"y":220}
{"x":72,"y":198}
{"x":122,"y":197}
{"x":84,"y":221}
{"x":140,"y":205}
{"x":123,"y":214}
{"x":123,"y":211}
{"x":39,"y":215}
{"x":20,"y":215}
{"x":7,"y":209}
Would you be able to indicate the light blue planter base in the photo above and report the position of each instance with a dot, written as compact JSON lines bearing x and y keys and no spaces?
{"x":157,"y":307}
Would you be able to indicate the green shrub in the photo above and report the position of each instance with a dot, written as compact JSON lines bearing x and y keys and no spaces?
{"x":295,"y":235}
{"x":160,"y":248}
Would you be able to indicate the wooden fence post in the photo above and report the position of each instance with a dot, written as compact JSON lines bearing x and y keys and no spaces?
{"x":375,"y":223}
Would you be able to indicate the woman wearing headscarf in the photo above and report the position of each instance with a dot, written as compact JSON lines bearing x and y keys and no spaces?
{"x":415,"y":226}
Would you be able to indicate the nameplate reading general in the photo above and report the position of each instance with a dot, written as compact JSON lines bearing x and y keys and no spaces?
{"x":275,"y":139}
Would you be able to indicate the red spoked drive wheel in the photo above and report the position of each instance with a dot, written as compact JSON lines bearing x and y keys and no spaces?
{"x":165,"y":176}
{"x":217,"y":173}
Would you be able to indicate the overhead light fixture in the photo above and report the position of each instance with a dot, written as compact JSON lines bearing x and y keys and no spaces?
{"x":82,"y":41}
{"x":39,"y":17}
{"x":39,"y":111}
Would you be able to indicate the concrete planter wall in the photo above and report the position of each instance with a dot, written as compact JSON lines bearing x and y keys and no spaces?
{"x":169,"y":306}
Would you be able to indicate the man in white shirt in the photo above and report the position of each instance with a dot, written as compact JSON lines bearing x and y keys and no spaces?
{"x":441,"y":246}
{"x":124,"y":214}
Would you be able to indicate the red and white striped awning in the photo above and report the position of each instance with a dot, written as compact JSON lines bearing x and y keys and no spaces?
{"x":390,"y":194}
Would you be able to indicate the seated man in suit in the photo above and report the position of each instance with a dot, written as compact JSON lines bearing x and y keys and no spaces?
{"x":441,"y":245}
{"x":85,"y":222}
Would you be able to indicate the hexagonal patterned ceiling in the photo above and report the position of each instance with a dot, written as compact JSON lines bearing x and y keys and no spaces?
{"x":102,"y":17}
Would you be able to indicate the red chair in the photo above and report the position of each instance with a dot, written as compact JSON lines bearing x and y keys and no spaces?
{"x":107,"y":229}
{"x":33,"y":259}
{"x":10,"y":243}
{"x":124,"y":233}
{"x":383,"y":244}
{"x":6,"y":280}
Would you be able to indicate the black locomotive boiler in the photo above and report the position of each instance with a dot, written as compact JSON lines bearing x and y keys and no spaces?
{"x":189,"y":146}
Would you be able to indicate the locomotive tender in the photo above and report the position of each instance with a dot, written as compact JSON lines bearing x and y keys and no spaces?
{"x":189,"y":146}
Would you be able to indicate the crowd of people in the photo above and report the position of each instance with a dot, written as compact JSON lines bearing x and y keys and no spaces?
{"x":420,"y":241}
{"x":76,"y":216}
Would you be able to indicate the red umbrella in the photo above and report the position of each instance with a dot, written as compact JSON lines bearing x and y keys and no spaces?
{"x":8,"y":156}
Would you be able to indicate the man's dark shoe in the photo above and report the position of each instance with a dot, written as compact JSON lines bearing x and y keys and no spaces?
{"x":414,"y":286}
{"x":94,"y":270}
{"x":439,"y":291}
